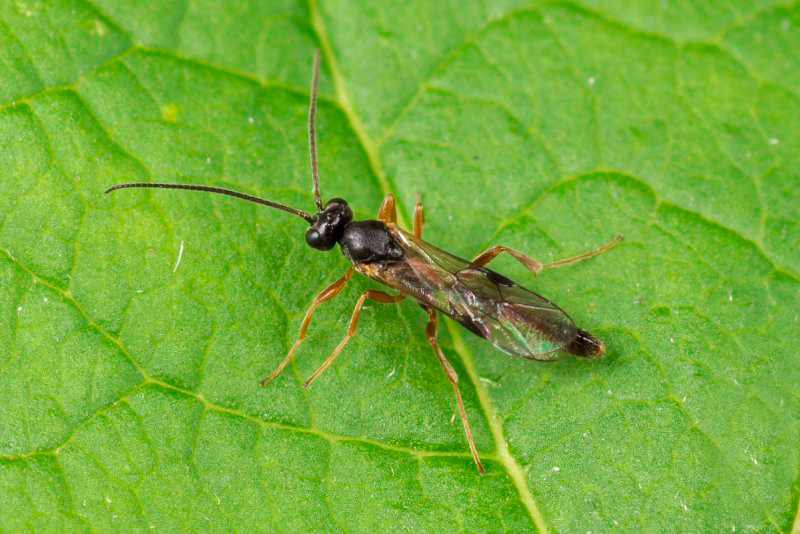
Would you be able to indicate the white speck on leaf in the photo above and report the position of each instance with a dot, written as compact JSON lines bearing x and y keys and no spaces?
{"x":556,"y":468}
{"x":452,"y":419}
{"x":180,"y":255}
{"x":19,"y":308}
{"x":46,"y":299}
{"x":108,"y":500}
{"x":391,"y":373}
{"x":773,"y":140}
{"x":251,"y":120}
{"x":591,"y":81}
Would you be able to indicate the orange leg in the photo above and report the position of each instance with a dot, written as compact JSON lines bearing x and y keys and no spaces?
{"x":326,"y":294}
{"x":372,"y":294}
{"x":533,"y":265}
{"x":431,"y":331}
{"x":419,"y":218}
{"x":387,"y":211}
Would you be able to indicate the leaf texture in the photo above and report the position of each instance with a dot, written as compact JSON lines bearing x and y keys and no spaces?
{"x":134,"y":327}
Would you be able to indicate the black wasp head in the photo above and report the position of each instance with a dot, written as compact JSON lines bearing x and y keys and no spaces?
{"x":328,"y":225}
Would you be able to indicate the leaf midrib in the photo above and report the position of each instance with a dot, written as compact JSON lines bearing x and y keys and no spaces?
{"x":371,"y":149}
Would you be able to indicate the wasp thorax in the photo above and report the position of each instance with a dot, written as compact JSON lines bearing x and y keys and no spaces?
{"x":370,"y":241}
{"x":329,"y":224}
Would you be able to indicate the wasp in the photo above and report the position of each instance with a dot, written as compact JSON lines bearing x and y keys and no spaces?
{"x":515,"y":320}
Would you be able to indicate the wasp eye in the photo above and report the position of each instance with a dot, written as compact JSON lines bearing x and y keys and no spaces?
{"x":318,"y":240}
{"x":313,"y":238}
{"x":328,"y":225}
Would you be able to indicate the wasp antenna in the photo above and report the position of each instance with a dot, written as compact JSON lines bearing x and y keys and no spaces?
{"x":312,"y":132}
{"x":219,"y":191}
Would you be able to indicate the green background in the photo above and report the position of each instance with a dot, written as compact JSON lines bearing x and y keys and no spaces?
{"x":128,"y":388}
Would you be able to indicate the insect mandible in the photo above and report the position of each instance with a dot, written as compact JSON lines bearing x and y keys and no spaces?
{"x":514,"y":319}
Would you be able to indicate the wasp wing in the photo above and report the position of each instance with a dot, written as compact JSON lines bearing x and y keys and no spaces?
{"x":512,"y":318}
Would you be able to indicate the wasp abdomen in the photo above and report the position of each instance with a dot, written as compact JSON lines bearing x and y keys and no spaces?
{"x":586,"y":345}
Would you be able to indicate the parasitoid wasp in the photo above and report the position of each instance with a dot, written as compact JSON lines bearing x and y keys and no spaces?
{"x":514,"y":319}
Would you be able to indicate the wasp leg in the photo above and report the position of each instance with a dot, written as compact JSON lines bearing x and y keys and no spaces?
{"x":419,"y":218}
{"x":535,"y":266}
{"x":326,"y":294}
{"x":372,"y":294}
{"x":431,"y":330}
{"x":387,"y":211}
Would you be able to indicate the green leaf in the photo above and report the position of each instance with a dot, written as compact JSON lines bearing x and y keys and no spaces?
{"x":134,"y":327}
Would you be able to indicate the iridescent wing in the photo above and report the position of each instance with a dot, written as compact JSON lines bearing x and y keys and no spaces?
{"x":512,"y":318}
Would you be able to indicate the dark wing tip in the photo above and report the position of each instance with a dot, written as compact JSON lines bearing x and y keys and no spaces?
{"x":585,"y":345}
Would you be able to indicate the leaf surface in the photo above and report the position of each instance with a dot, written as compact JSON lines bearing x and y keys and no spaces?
{"x":134,"y":327}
